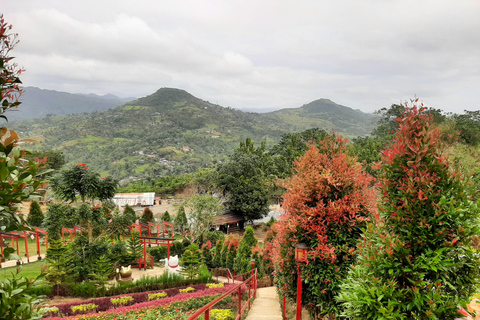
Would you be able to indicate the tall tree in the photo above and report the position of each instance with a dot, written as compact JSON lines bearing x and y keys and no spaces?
{"x":59,"y":216}
{"x":290,"y":147}
{"x":242,"y":262}
{"x":327,"y":204}
{"x":180,"y":221}
{"x":79,"y":181}
{"x":147,"y":215}
{"x":243,"y":181}
{"x":90,"y":216}
{"x":201,"y":211}
{"x":416,"y":261}
{"x":35,"y":215}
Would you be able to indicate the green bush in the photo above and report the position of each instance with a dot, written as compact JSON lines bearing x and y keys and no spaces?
{"x":244,"y":253}
{"x":35,"y":215}
{"x":166,"y":217}
{"x":16,"y":302}
{"x":177,"y":248}
{"x":204,"y":276}
{"x":416,"y":261}
{"x":159,"y":252}
{"x":85,"y":289}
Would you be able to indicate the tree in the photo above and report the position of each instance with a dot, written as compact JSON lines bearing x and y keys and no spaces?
{"x":327,"y":204}
{"x":244,"y":254}
{"x":102,"y":270}
{"x":191,"y":262}
{"x":217,"y":259}
{"x":231,"y":251}
{"x":55,"y":159}
{"x":242,"y":180}
{"x":207,"y":254}
{"x":35,"y":215}
{"x":79,"y":181}
{"x":90,"y":216}
{"x":468,"y":125}
{"x":180,"y":221}
{"x":135,"y":247}
{"x":387,"y":122}
{"x":292,"y":146}
{"x":59,"y":216}
{"x":166,"y":217}
{"x":10,"y":90}
{"x":416,"y":259}
{"x":130,"y":214}
{"x":61,"y":263}
{"x":367,"y":150}
{"x":147,"y":215}
{"x":201,"y":211}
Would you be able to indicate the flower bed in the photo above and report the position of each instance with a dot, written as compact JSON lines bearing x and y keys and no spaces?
{"x":173,"y":301}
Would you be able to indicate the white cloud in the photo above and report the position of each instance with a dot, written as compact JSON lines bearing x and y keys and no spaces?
{"x":256,"y":54}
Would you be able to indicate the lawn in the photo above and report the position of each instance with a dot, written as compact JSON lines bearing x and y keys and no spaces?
{"x":28,"y":270}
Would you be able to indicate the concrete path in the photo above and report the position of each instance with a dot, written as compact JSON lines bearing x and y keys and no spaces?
{"x":13,"y":263}
{"x":266,"y":305}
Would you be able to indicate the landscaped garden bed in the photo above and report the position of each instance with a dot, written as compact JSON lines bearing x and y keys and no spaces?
{"x":145,"y":305}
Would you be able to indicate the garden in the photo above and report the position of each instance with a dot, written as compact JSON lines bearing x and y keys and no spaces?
{"x":397,"y":240}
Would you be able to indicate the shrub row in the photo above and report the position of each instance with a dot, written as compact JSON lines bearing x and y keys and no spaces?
{"x":106,"y":303}
{"x":188,"y":301}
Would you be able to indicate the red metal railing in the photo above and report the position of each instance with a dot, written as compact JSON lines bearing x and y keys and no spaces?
{"x":252,"y":285}
{"x":223,"y":272}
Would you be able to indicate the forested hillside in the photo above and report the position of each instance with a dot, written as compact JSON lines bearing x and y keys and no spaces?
{"x":172,"y":131}
{"x":38,"y":103}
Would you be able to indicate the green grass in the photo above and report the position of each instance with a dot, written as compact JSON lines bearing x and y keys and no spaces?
{"x":28,"y":270}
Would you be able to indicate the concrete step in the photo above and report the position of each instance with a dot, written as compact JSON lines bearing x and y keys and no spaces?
{"x":266,"y":305}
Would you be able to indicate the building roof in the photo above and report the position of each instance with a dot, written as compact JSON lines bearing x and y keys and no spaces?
{"x":134,"y":199}
{"x":228,"y":218}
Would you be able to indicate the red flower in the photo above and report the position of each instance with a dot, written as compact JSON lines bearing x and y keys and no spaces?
{"x":85,"y":168}
{"x":103,"y":178}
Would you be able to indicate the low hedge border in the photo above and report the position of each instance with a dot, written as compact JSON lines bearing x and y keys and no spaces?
{"x":105,"y":304}
{"x":154,"y":303}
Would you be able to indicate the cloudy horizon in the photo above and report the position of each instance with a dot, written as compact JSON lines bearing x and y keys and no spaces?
{"x":255,"y":56}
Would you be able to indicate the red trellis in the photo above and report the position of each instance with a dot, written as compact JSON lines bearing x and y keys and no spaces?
{"x":152,"y":240}
{"x":37,"y":233}
{"x":10,"y":236}
{"x":73,"y":232}
{"x":159,"y":227}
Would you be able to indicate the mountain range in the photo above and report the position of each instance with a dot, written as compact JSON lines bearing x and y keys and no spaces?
{"x":167,"y":131}
{"x":38,"y":103}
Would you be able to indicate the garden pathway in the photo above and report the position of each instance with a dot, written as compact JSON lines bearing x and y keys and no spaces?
{"x":266,"y":305}
{"x":12,"y":263}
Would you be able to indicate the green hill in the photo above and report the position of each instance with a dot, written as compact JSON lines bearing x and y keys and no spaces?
{"x":171,"y":131}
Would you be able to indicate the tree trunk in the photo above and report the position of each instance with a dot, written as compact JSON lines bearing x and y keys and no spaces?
{"x":90,"y":232}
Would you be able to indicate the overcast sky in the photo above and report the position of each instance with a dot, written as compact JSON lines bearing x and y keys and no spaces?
{"x":256,"y":55}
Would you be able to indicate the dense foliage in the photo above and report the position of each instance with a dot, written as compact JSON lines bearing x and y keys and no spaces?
{"x":327,"y":204}
{"x":416,"y":261}
{"x":35,"y":214}
{"x":243,"y":258}
{"x":242,"y":179}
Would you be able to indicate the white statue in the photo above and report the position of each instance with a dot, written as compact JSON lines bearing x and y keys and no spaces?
{"x":172,"y":264}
